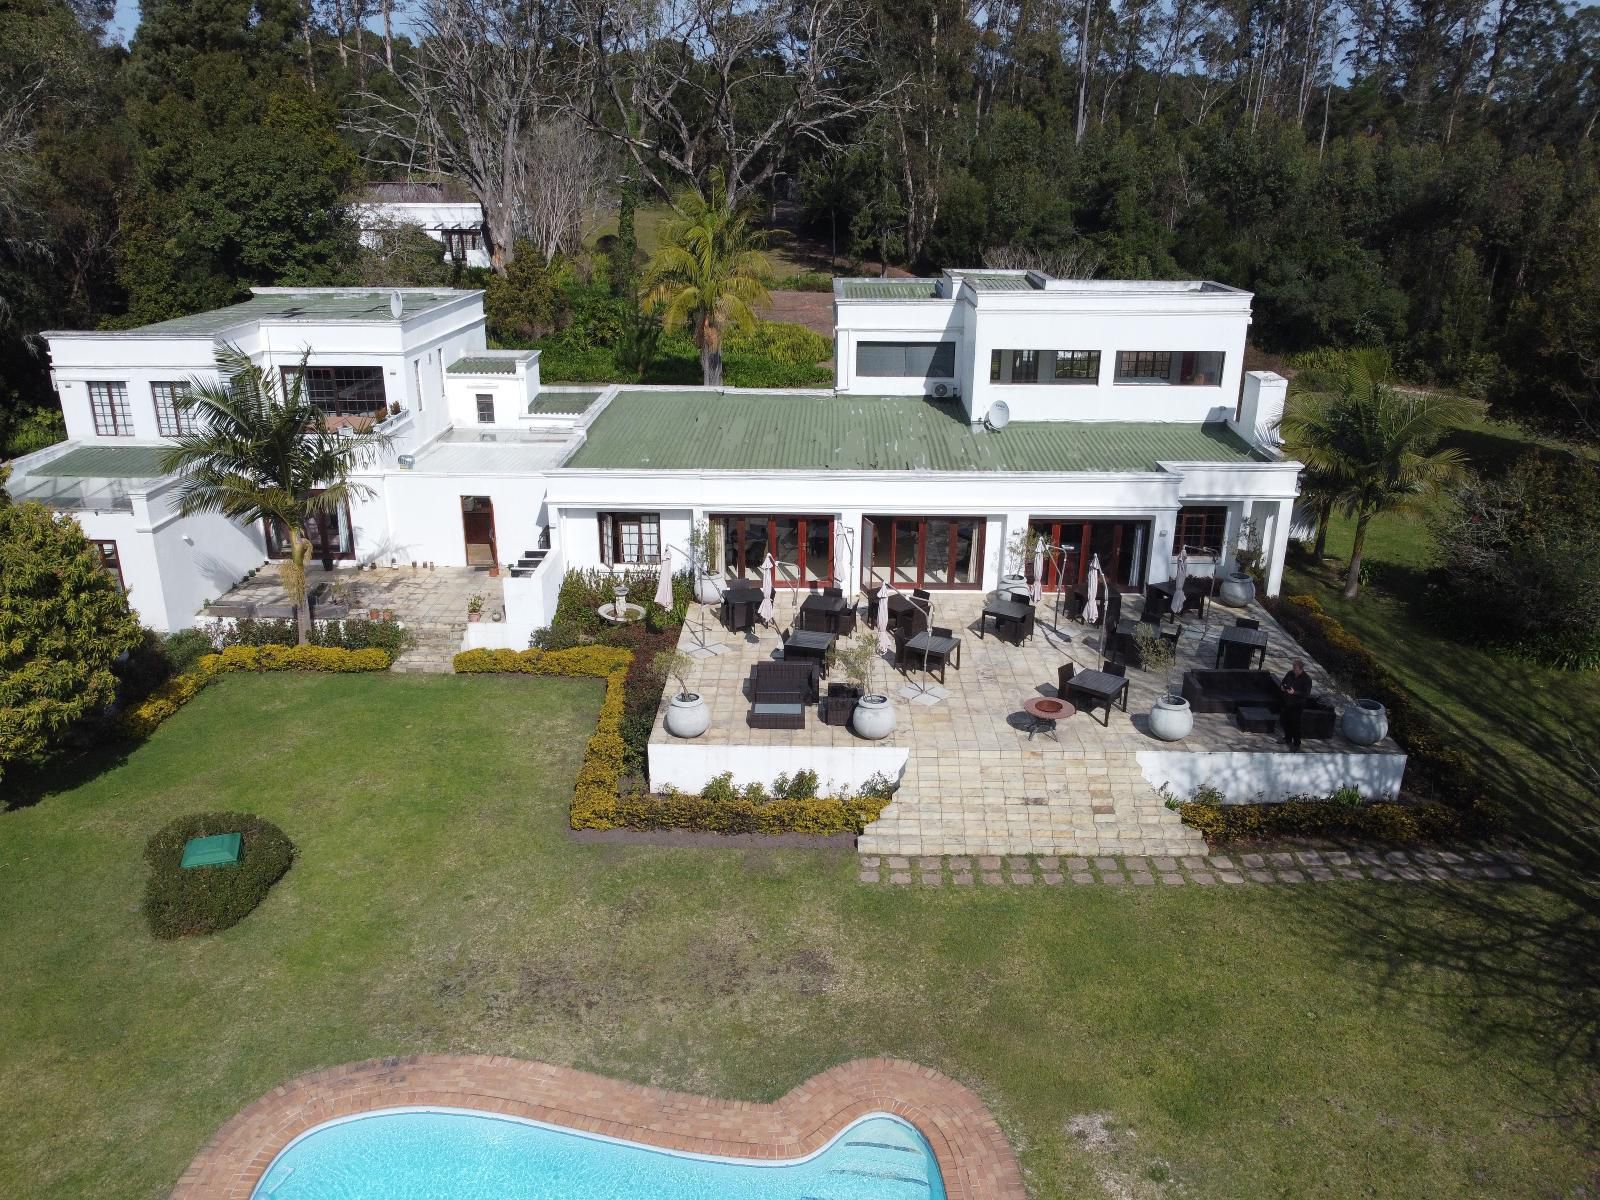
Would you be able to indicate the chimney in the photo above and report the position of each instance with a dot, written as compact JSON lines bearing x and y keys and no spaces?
{"x":1260,"y":410}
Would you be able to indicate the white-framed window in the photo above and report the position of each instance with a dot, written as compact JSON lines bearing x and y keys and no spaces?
{"x":108,"y":404}
{"x":485,"y":409}
{"x":630,"y":539}
{"x":172,"y":418}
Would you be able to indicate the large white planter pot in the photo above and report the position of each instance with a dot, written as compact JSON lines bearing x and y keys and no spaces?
{"x":1237,"y":589}
{"x":1171,"y":718}
{"x":708,"y":589}
{"x":1365,"y":722}
{"x":687,"y":716}
{"x":873,"y":718}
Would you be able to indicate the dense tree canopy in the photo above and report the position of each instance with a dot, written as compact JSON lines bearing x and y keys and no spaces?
{"x":1407,"y":174}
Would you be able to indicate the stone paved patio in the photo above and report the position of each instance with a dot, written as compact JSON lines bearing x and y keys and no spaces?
{"x":431,"y":604}
{"x":1201,"y":870}
{"x":975,"y":783}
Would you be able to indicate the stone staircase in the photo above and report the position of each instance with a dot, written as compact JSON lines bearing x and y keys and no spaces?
{"x":436,"y":647}
{"x":1027,"y":800}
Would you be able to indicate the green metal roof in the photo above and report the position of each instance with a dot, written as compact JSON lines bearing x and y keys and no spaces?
{"x":764,"y":431}
{"x":556,"y":403}
{"x":474,"y":365}
{"x":986,"y":281}
{"x":341,"y":305}
{"x":890,"y":289}
{"x":106,"y":462}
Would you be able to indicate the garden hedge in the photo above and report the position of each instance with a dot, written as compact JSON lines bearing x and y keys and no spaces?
{"x":1382,"y":822}
{"x":180,"y":903}
{"x":141,"y":720}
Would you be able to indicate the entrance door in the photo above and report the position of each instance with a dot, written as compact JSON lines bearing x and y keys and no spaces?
{"x":477,"y":524}
{"x":1121,"y":546}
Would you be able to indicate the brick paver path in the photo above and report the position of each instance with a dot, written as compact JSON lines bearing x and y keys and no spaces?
{"x":1203,"y":870}
{"x":974,"y":1157}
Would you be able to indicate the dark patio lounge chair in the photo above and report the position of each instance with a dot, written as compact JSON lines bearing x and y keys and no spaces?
{"x":780,"y":693}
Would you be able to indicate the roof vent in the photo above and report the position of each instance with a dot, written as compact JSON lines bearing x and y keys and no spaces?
{"x":998,"y":416}
{"x":407,"y":461}
{"x":397,"y":304}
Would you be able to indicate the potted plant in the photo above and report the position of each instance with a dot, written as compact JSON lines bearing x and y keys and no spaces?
{"x":1238,"y":585}
{"x":687,"y":715}
{"x":475,"y":606}
{"x":702,"y":551}
{"x":1019,"y":558}
{"x":1365,"y":722}
{"x":873,"y":717}
{"x":1170,"y":715}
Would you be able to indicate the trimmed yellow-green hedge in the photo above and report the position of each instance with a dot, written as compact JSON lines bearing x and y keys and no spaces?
{"x":596,"y":799}
{"x":1382,"y":822}
{"x":141,"y":720}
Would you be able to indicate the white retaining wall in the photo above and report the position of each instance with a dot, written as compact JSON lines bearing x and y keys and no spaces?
{"x":690,"y":765}
{"x":1263,"y":778}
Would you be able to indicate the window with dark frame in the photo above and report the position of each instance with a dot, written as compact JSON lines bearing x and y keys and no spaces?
{"x":343,"y":391}
{"x":1144,"y":364}
{"x":994,"y":365}
{"x":941,"y":552}
{"x":1024,"y":366}
{"x":111,"y":563}
{"x":1077,"y":366}
{"x":172,"y":419}
{"x":1200,"y":528}
{"x":485,"y":410}
{"x":108,"y":404}
{"x":906,"y":360}
{"x":630,"y":539}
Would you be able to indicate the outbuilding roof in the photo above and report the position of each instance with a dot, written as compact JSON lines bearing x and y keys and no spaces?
{"x":770,"y":431}
{"x":313,"y":305}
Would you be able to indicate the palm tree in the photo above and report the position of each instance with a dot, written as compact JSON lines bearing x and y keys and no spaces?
{"x":262,"y":451}
{"x":1373,"y":449}
{"x":709,"y":274}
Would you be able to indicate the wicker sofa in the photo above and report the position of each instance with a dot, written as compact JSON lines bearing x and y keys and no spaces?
{"x":780,"y":692}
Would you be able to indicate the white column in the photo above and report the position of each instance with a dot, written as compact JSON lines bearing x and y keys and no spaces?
{"x":1159,"y":568}
{"x":841,"y":359}
{"x":1277,"y":548}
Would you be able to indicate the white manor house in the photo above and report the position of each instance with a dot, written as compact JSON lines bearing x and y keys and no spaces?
{"x":1113,"y":417}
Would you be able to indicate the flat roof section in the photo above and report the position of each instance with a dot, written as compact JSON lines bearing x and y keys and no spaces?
{"x":492,"y":451}
{"x":311,"y":305}
{"x":889,"y":289}
{"x":767,"y":431}
{"x":95,"y":461}
{"x":551,"y":404}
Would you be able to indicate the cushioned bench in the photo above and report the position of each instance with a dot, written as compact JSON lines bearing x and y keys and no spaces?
{"x":1227,"y":691}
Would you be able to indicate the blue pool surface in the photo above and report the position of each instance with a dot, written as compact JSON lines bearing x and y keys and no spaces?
{"x":414,"y":1154}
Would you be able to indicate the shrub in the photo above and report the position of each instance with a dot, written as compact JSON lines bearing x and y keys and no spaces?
{"x":389,"y":636}
{"x":186,"y":648}
{"x":722,"y":808}
{"x":781,"y":342}
{"x":804,"y":281}
{"x":1381,"y":822}
{"x":180,"y":903}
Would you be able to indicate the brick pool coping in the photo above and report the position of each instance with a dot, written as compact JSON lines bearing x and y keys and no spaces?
{"x":974,"y":1156}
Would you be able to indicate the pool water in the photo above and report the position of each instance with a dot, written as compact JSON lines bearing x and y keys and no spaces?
{"x":430,"y":1154}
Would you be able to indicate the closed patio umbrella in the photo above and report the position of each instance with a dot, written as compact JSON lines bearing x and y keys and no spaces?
{"x":885,"y":642}
{"x":842,"y":573}
{"x":664,"y":584}
{"x":1179,"y":579}
{"x":1037,"y":590}
{"x":765,"y":611}
{"x":1091,"y":606}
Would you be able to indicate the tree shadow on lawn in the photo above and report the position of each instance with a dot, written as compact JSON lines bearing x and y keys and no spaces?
{"x":25,"y":786}
{"x":1520,"y":959}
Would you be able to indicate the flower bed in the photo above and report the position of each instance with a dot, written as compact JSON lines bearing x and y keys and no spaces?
{"x":181,"y":903}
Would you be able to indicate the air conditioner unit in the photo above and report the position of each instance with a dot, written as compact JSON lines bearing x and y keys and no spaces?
{"x":941,"y":391}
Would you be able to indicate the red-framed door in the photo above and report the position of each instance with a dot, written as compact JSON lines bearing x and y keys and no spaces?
{"x":1121,"y":545}
{"x":802,"y":546}
{"x":923,"y":552}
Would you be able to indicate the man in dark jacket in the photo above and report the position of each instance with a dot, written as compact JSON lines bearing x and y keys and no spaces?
{"x":1296,"y":691}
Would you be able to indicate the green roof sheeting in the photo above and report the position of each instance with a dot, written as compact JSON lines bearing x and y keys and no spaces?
{"x":472,"y":365}
{"x":105,"y":462}
{"x":562,"y":403}
{"x":303,"y":306}
{"x":985,"y":282}
{"x":890,"y":289}
{"x":765,"y":431}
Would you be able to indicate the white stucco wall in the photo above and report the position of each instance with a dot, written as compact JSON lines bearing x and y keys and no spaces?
{"x":689,"y":765}
{"x":1249,"y":778}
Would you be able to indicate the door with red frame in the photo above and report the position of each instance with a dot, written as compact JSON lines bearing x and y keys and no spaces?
{"x":1074,"y":541}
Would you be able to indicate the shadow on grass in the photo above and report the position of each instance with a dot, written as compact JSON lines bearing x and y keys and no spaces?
{"x":27,"y":785}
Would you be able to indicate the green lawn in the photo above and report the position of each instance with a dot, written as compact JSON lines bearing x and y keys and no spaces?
{"x":1238,"y":1041}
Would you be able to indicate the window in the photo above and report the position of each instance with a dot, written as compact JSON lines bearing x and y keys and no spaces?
{"x":329,"y":534}
{"x":457,"y":242}
{"x":172,"y":419}
{"x":111,"y":562}
{"x":1144,"y":365}
{"x":1184,"y":368}
{"x":801,"y":546}
{"x":943,"y":552}
{"x":1200,"y":529}
{"x":1024,"y":366}
{"x":906,"y":360}
{"x":342,"y":391}
{"x":630,"y":539}
{"x":485,"y":410}
{"x":1077,"y":366}
{"x":108,"y":402}
{"x":994,"y":365}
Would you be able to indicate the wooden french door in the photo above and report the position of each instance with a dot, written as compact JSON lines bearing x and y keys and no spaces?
{"x":477,"y":527}
{"x":925,"y":552}
{"x":1123,"y":547}
{"x":802,"y":546}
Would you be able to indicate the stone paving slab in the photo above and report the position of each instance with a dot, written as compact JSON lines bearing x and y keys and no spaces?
{"x":1215,"y":870}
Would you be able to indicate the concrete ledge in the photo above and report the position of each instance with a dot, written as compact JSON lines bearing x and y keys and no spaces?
{"x":973,"y":1154}
{"x":1267,"y":777}
{"x":689,"y":764}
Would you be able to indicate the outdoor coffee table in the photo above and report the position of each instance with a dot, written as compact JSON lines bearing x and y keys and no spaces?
{"x":1046,"y":711}
{"x":1255,"y":718}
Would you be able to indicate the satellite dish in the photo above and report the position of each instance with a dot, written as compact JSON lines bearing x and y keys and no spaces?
{"x":998,"y":416}
{"x":397,"y":304}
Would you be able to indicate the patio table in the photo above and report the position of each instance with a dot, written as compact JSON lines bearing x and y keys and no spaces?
{"x":933,"y":645}
{"x":1102,"y":687}
{"x":1002,"y":610}
{"x":823,"y":614}
{"x":808,"y":643}
{"x":1253,"y":640}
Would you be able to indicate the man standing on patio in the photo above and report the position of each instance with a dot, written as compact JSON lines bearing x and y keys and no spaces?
{"x":1296,"y":691}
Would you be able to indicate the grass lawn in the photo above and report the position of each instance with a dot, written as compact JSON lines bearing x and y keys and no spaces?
{"x":1236,"y":1041}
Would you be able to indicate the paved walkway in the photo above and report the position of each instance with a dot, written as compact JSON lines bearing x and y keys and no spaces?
{"x":431,"y":604}
{"x":1203,"y":870}
{"x":974,"y":1157}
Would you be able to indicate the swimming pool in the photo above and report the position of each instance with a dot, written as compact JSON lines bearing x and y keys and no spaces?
{"x":454,"y":1154}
